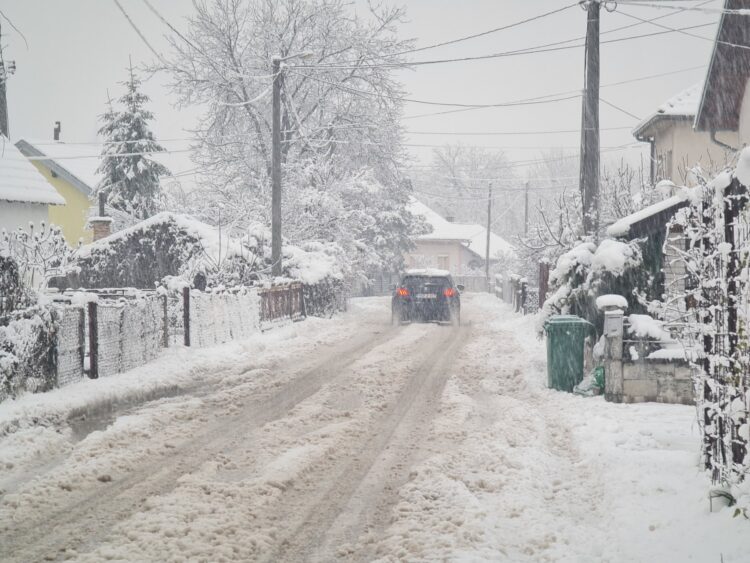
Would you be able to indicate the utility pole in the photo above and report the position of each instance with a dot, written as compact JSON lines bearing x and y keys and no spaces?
{"x":3,"y":95}
{"x":526,"y":208}
{"x":590,"y":123}
{"x":276,"y":170}
{"x":489,"y":224}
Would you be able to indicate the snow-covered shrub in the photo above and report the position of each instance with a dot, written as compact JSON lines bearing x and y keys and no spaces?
{"x":13,"y":294}
{"x":39,"y":252}
{"x":27,"y":358}
{"x":587,"y":272}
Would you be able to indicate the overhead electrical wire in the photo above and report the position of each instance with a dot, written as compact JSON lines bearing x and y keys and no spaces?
{"x":138,"y":31}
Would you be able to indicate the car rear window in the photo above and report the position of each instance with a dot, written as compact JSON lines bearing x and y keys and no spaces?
{"x":416,"y":283}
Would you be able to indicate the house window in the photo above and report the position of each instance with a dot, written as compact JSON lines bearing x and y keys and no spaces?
{"x":444,"y":262}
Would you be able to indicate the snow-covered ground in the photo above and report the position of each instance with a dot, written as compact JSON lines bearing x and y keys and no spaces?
{"x":349,"y":439}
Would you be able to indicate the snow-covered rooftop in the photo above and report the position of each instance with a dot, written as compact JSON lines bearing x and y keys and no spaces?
{"x":472,"y":236}
{"x":621,"y":227}
{"x":685,"y":104}
{"x":78,"y":160}
{"x":21,"y":181}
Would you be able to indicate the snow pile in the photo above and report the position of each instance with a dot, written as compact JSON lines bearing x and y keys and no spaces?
{"x":576,"y":261}
{"x":611,"y":302}
{"x":614,"y":256}
{"x":645,"y":326}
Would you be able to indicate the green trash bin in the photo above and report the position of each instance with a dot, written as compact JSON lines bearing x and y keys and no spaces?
{"x":565,"y":336}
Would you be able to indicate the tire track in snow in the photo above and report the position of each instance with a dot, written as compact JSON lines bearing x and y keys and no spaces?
{"x":355,"y":498}
{"x":78,"y":525}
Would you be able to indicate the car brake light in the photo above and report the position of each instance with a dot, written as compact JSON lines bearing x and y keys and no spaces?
{"x":450,"y":292}
{"x":402,"y":292}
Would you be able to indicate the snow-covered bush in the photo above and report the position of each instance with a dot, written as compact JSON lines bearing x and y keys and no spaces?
{"x":587,"y":272}
{"x":27,"y":358}
{"x":13,"y":293}
{"x":40,"y":253}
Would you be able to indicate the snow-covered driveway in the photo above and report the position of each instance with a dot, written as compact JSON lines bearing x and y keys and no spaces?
{"x":349,"y":439}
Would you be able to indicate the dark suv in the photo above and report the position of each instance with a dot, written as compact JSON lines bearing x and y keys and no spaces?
{"x":425,"y":296}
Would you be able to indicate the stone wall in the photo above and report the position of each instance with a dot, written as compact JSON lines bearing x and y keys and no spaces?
{"x":645,"y":380}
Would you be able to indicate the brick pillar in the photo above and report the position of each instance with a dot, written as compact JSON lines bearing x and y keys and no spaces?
{"x":102,"y":227}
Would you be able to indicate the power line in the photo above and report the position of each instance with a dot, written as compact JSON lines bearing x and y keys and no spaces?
{"x":492,"y":133}
{"x":488,"y":32}
{"x":709,"y":39}
{"x":528,"y":101}
{"x":618,"y":108}
{"x":138,"y":31}
{"x":619,"y":83}
{"x":526,"y":51}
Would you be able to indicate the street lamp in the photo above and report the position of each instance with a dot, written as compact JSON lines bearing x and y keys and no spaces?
{"x":276,"y":161}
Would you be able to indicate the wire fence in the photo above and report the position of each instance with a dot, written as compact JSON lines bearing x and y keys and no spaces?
{"x":105,"y":332}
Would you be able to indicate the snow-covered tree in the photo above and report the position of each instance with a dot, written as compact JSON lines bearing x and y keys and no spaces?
{"x":130,"y":176}
{"x":39,"y":253}
{"x":339,"y":116}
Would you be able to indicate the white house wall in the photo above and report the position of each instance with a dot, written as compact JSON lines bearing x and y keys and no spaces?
{"x":688,"y":148}
{"x":433,"y":253}
{"x":17,"y":214}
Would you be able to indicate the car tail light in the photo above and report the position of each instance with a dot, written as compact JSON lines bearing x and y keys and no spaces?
{"x":450,"y":292}
{"x":402,"y":292}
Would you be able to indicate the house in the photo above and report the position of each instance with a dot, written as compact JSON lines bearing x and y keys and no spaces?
{"x":724,"y":109}
{"x":457,"y":247}
{"x":675,"y":146}
{"x":25,"y":196}
{"x":71,"y":169}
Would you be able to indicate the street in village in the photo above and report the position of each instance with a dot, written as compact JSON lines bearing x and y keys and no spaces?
{"x":351,"y":439}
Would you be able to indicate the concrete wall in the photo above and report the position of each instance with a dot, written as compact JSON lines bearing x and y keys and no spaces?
{"x":428,"y":253}
{"x":16,"y":214}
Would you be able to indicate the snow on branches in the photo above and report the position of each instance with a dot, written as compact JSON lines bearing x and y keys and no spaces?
{"x":130,"y":177}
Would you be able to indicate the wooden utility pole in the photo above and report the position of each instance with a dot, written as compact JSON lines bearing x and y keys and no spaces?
{"x":276,"y":170}
{"x":3,"y":94}
{"x":526,"y":208}
{"x":590,"y":123}
{"x":487,"y":249}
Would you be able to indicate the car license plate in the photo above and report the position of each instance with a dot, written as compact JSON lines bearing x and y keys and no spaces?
{"x":426,"y":295}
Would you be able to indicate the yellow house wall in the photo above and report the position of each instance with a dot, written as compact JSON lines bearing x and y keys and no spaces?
{"x":72,"y":216}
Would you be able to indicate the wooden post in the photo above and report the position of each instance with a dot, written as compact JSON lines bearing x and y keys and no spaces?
{"x":186,"y":313}
{"x":303,"y":305}
{"x":543,"y":282}
{"x":93,"y":341}
{"x":487,"y":242}
{"x":165,"y":305}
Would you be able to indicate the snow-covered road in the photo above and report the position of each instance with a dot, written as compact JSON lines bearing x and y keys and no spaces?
{"x":349,"y":439}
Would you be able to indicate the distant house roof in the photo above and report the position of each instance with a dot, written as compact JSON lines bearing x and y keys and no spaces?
{"x":76,"y":164}
{"x":681,"y":107}
{"x":728,"y":71}
{"x":473,"y":237}
{"x":20,"y":181}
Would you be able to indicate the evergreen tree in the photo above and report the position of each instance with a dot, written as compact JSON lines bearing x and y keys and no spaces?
{"x":131,"y":178}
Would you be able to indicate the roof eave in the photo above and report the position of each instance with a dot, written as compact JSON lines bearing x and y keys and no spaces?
{"x":27,"y":149}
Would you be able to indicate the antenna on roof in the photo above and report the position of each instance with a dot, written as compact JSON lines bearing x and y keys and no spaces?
{"x":56,"y":131}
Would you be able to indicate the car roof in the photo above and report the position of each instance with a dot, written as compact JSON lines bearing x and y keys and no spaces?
{"x":428,"y":273}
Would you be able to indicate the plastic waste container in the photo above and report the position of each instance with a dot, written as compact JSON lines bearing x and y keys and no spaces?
{"x":565,"y":338}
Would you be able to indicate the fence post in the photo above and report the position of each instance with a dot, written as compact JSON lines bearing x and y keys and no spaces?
{"x":290,"y":301}
{"x":186,"y":313}
{"x":93,"y":341}
{"x":543,"y":282}
{"x":165,"y":315}
{"x":524,"y":288}
{"x":303,"y":305}
{"x":613,"y":370}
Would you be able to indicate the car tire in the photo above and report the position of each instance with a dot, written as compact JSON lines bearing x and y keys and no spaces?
{"x":455,"y":316}
{"x":395,"y":316}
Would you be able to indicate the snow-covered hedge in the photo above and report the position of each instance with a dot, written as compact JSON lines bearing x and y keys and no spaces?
{"x":27,"y":358}
{"x":169,"y":245}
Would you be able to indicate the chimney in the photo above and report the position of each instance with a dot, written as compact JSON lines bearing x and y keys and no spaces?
{"x":101,"y":225}
{"x":56,"y":131}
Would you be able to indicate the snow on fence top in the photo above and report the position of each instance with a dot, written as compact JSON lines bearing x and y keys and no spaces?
{"x":472,"y":236}
{"x":21,"y":181}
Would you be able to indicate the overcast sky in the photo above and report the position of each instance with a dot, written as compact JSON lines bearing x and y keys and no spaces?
{"x":78,"y":49}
